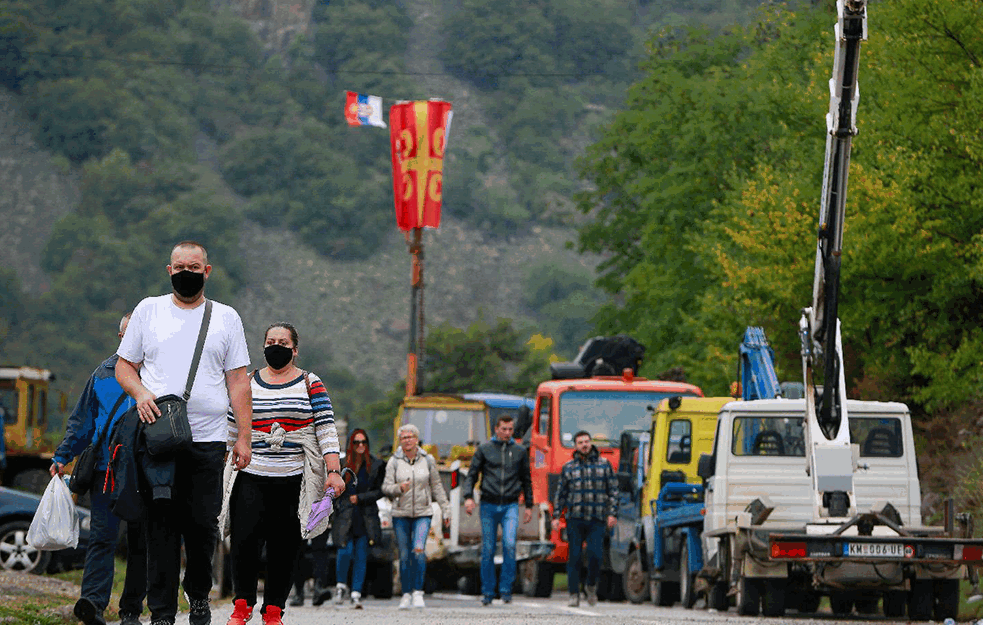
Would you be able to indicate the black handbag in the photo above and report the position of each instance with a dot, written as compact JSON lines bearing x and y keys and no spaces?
{"x":171,"y":432}
{"x":84,"y":471}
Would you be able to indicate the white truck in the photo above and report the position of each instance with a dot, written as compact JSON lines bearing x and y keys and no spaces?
{"x":795,"y":509}
{"x":766,"y":547}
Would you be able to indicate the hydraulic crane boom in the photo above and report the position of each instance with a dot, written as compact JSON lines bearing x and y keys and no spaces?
{"x":831,"y":462}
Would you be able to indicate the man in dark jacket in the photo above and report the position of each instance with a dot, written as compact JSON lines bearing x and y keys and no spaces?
{"x":587,"y":496}
{"x":503,"y":465}
{"x":101,"y":405}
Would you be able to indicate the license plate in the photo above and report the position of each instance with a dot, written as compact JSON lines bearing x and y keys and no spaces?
{"x":874,"y":550}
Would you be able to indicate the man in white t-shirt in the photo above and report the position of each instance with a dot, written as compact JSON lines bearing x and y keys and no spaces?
{"x":154,"y":360}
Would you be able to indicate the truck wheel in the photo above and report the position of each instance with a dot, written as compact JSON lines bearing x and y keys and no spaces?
{"x":841,"y":603}
{"x":773,"y":597}
{"x":894,"y":603}
{"x":15,"y":552}
{"x":612,"y":584}
{"x":470,"y":584}
{"x":718,"y":597}
{"x":809,"y":603}
{"x":687,"y":596}
{"x":382,"y":581}
{"x":664,"y":593}
{"x":748,"y":596}
{"x":537,"y":578}
{"x":946,"y":599}
{"x":920,"y":600}
{"x":866,"y":605}
{"x":635,"y":579}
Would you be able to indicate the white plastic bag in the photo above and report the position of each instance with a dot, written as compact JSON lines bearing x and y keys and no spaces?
{"x":56,"y":521}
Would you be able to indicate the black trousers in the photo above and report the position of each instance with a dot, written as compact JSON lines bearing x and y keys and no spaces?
{"x":263,"y":510}
{"x":191,"y":515}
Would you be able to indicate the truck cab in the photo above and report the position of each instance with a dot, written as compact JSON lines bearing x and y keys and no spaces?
{"x":26,"y":447}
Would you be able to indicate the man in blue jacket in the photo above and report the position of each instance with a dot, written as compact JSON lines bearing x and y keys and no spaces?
{"x":101,"y":405}
{"x":503,"y":465}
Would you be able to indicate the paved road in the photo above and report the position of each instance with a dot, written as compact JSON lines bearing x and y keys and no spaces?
{"x":453,"y":609}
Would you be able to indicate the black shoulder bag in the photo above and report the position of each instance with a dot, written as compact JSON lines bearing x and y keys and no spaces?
{"x":171,"y":432}
{"x":84,"y":471}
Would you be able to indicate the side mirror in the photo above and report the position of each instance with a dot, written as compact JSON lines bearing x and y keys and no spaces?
{"x":523,"y":421}
{"x":624,"y":481}
{"x":705,"y":467}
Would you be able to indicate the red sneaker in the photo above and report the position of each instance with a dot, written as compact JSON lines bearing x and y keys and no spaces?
{"x":273,"y":615}
{"x":240,"y":613}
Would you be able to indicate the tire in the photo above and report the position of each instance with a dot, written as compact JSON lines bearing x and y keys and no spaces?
{"x":841,"y":603}
{"x":470,"y":584}
{"x":867,"y":605}
{"x":687,"y":596}
{"x":748,"y":596}
{"x":920,"y":602}
{"x":664,"y":593}
{"x":773,"y":596}
{"x":613,"y":586}
{"x":808,"y":603}
{"x":946,"y":599}
{"x":16,"y":554}
{"x":537,"y":578}
{"x":382,"y":581}
{"x":635,"y":580}
{"x":31,"y":480}
{"x":717,"y":599}
{"x":894,"y":603}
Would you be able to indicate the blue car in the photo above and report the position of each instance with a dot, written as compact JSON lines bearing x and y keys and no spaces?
{"x":17,"y":509}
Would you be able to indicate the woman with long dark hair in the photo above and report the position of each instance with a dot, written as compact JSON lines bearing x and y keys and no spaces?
{"x":355,"y":527}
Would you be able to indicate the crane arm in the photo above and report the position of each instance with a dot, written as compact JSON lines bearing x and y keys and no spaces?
{"x":827,"y":431}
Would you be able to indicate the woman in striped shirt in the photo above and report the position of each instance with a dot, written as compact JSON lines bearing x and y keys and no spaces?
{"x":292,"y":421}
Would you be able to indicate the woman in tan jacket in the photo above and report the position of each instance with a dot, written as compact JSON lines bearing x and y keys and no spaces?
{"x":413,"y":482}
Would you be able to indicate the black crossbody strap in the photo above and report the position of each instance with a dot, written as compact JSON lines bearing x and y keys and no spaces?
{"x":109,"y":420}
{"x":198,"y":349}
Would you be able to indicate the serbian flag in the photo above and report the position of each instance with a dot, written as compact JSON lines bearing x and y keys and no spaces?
{"x":418,"y":132}
{"x":363,"y":110}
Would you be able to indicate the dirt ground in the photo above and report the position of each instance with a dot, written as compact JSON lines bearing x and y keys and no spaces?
{"x":48,"y":597}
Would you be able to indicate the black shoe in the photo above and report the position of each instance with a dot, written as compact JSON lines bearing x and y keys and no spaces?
{"x":88,"y":613}
{"x":486,"y":601}
{"x":320,"y":594}
{"x":200,"y":613}
{"x":128,"y":618}
{"x":297,"y":600}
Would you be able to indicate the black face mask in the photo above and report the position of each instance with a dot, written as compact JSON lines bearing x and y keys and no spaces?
{"x":187,"y":283}
{"x":278,"y":356}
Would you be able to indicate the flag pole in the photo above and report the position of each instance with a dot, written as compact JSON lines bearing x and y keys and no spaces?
{"x":414,"y":374}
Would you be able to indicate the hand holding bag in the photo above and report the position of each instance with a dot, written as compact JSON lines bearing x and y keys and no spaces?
{"x":171,"y":432}
{"x":84,"y":471}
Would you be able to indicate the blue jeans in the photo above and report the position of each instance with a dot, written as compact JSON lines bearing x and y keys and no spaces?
{"x":493,"y":515}
{"x":578,"y":531}
{"x":97,"y":576}
{"x":355,"y":551}
{"x":411,"y":536}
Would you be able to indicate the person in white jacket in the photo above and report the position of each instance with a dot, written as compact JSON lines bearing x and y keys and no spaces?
{"x":413,"y":482}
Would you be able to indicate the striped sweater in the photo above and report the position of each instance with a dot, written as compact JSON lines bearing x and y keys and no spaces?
{"x":289,"y":405}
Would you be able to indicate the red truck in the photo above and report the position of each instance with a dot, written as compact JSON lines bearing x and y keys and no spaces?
{"x":600,"y":393}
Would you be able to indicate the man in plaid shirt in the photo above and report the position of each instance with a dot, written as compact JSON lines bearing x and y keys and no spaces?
{"x":587,"y":498}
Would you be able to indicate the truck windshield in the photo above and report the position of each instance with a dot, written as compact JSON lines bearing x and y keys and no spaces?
{"x":447,"y":428}
{"x":606,"y":414}
{"x":768,"y":436}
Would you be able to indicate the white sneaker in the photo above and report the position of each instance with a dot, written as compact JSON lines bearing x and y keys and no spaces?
{"x":340,"y":594}
{"x":418,"y":599}
{"x":405,"y":602}
{"x":356,"y":600}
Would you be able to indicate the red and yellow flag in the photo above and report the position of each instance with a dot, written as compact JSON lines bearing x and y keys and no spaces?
{"x":418,"y":134}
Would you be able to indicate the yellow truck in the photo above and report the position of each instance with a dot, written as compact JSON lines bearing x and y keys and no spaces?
{"x":26,"y":445}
